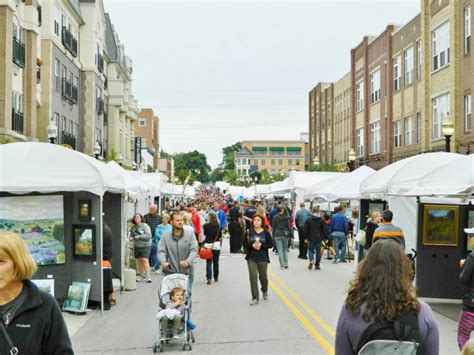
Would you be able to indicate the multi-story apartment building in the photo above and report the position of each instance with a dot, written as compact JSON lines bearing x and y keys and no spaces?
{"x":276,"y":157}
{"x":342,"y":122}
{"x":146,"y":127}
{"x":371,"y":72}
{"x":320,"y":124}
{"x":122,"y":107}
{"x":20,"y":62}
{"x":91,"y":55}
{"x":61,"y":94}
{"x":407,"y":90}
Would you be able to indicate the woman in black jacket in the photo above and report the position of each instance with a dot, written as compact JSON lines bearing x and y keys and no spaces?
{"x":30,"y":319}
{"x":372,"y":224}
{"x":281,"y":235}
{"x":256,"y":243}
{"x":213,"y":235}
{"x":466,"y":318}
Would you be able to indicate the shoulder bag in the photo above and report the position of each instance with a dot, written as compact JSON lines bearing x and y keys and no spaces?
{"x":13,"y":349}
{"x":361,"y":237}
{"x":206,"y":253}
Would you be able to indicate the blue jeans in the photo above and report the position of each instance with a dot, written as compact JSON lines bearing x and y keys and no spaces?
{"x":213,"y":265}
{"x":312,"y":247}
{"x":154,"y":257}
{"x":282,"y":248}
{"x":340,"y":245}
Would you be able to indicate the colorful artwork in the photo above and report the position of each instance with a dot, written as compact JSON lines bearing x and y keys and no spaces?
{"x":84,"y":240}
{"x":46,"y":285}
{"x":77,"y":297}
{"x":440,"y":225}
{"x":39,"y":220}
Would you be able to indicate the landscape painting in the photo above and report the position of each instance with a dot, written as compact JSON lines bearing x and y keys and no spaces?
{"x":440,"y":225}
{"x":84,"y":244}
{"x":39,"y":220}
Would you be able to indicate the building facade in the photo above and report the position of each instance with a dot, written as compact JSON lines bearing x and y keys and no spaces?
{"x":320,"y":124}
{"x":146,"y":127}
{"x":342,"y":127}
{"x":61,"y":73}
{"x":20,"y":91}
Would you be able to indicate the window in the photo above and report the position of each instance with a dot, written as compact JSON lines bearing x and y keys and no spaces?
{"x":397,"y":134}
{"x":409,"y":130}
{"x":440,"y":45}
{"x":467,"y":29}
{"x":56,"y":119}
{"x":375,"y":87}
{"x":409,"y":67}
{"x":397,"y":73}
{"x":467,"y":112}
{"x":64,"y":72}
{"x":57,"y":16}
{"x":290,"y":161}
{"x":360,"y":142}
{"x":440,"y":111}
{"x":17,"y":101}
{"x":419,"y":127}
{"x":272,"y":162}
{"x":419,"y":60}
{"x":57,"y":80}
{"x":142,"y":122}
{"x":63,"y":124}
{"x":98,"y":135}
{"x":280,"y":161}
{"x":263,"y":162}
{"x":360,"y":95}
{"x":75,"y":129}
{"x":297,"y":162}
{"x":375,"y":138}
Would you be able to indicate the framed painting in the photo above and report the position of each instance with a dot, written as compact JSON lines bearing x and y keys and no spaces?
{"x":84,"y":210}
{"x":470,"y":224}
{"x":46,"y":285}
{"x":77,"y":297}
{"x":440,"y":225}
{"x":84,"y":241}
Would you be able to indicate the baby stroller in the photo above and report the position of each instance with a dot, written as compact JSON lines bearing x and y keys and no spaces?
{"x":167,"y":284}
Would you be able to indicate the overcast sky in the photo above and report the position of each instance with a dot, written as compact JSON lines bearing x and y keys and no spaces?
{"x":219,"y":72}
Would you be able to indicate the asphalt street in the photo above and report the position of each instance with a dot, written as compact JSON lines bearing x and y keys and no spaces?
{"x":299,"y":317}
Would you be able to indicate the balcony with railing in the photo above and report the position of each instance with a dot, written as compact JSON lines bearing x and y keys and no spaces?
{"x":18,"y":53}
{"x":74,"y":94}
{"x":69,"y":41}
{"x":100,"y":106}
{"x":69,"y":91}
{"x":67,"y":138}
{"x":17,"y":121}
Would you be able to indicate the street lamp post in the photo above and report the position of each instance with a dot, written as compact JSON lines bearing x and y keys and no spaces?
{"x":352,"y":158}
{"x":52,"y":130}
{"x":447,"y":129}
{"x":97,"y":149}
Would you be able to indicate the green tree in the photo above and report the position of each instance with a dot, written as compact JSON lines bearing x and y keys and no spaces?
{"x":216,"y":175}
{"x":112,"y":155}
{"x":230,"y":176}
{"x":229,"y":155}
{"x":192,"y":162}
{"x":323,"y":167}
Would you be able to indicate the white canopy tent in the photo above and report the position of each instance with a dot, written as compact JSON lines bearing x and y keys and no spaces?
{"x":153,"y":180}
{"x":138,"y":189}
{"x":222,"y":185}
{"x":340,"y":187}
{"x":43,"y":167}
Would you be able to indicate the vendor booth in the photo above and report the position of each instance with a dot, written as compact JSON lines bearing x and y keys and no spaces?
{"x":57,"y":199}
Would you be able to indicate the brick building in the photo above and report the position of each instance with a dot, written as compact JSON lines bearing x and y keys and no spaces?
{"x":147,"y":127}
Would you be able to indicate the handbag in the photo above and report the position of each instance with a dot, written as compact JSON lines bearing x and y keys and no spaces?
{"x":206,"y":253}
{"x":361,"y":237}
{"x":13,"y":349}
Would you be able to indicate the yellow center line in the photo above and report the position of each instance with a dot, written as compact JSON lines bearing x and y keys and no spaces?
{"x":306,"y":323}
{"x":305,"y":306}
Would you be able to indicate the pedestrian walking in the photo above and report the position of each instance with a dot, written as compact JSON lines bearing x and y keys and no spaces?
{"x":220,"y":215}
{"x":387,"y":230}
{"x":381,"y":294}
{"x":261,"y":211}
{"x":281,"y":234}
{"x":339,"y":230}
{"x":140,"y":234}
{"x":373,"y":223}
{"x":256,"y":244}
{"x":30,"y":319}
{"x":213,"y":236}
{"x":300,"y":218}
{"x":466,"y":317}
{"x":165,"y":226}
{"x":107,"y":254}
{"x":153,"y":219}
{"x":196,"y":221}
{"x":249,"y":212}
{"x":235,"y":228}
{"x":315,"y":232}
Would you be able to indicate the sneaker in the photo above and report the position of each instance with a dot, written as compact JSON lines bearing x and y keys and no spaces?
{"x":282,"y":267}
{"x":310,"y":266}
{"x":254,"y":302}
{"x":190,"y":324}
{"x":337,"y":261}
{"x":140,"y":279}
{"x":216,"y":279}
{"x":344,"y":261}
{"x":329,"y":258}
{"x":149,"y":281}
{"x":265,"y":296}
{"x":158,"y":271}
{"x":317,"y":267}
{"x":208,"y":281}
{"x":286,"y":266}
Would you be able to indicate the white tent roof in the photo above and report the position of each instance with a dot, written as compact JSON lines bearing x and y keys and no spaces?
{"x":340,"y":187}
{"x":456,"y":178}
{"x":222,"y":185}
{"x":153,"y":180}
{"x":279,"y":186}
{"x":137,"y":188}
{"x":44,"y":167}
{"x":402,"y":176}
{"x":302,"y":180}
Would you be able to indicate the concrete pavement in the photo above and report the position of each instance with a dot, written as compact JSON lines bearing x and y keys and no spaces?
{"x":300,"y":316}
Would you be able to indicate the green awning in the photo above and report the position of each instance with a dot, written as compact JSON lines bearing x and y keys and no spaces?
{"x":259,"y":149}
{"x":293,"y":149}
{"x":277,"y":149}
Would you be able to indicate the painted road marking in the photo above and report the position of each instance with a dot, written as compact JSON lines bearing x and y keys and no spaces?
{"x":306,"y":323}
{"x":304,"y":305}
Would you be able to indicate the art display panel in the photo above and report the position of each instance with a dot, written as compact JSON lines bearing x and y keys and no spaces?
{"x":39,"y":220}
{"x":440,"y":225}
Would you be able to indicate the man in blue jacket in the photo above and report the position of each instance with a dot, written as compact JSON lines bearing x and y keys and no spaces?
{"x":220,"y":215}
{"x":339,"y":230}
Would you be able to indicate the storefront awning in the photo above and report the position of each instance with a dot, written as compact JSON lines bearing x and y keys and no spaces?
{"x":259,"y":149}
{"x":277,"y":149}
{"x":293,"y":149}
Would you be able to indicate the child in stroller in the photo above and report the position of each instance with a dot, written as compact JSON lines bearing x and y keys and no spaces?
{"x":175,"y":305}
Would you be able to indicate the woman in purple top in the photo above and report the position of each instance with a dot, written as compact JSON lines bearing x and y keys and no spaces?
{"x":381,"y":291}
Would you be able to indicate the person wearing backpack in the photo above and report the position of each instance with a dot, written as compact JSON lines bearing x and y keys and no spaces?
{"x":381,"y":311}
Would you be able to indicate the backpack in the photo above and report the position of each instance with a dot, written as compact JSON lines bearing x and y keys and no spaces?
{"x":402,"y":336}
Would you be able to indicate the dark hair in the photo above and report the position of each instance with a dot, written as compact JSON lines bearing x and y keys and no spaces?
{"x":383,"y":286}
{"x":340,"y":208}
{"x":260,"y":218}
{"x":387,"y":215}
{"x":253,"y":202}
{"x":281,"y":209}
{"x":141,"y":218}
{"x":174,"y":213}
{"x":213,"y":219}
